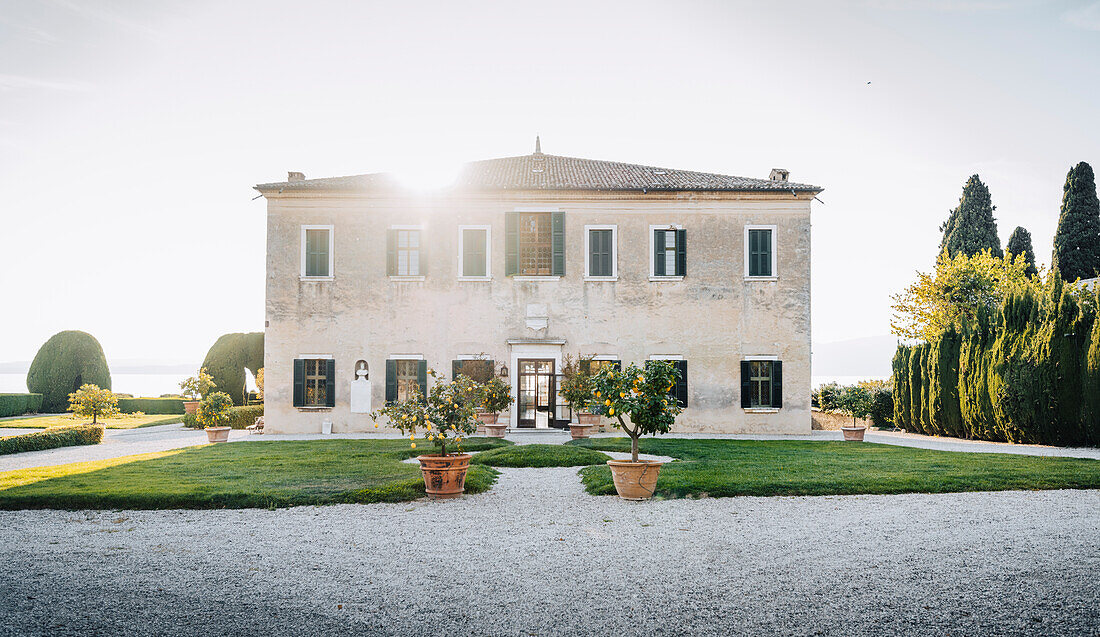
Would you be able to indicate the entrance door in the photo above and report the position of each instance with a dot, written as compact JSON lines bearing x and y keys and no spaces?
{"x":537,"y":393}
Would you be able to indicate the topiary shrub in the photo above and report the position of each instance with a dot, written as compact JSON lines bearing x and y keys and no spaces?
{"x":19,"y":404}
{"x":64,"y":363}
{"x":52,"y":438}
{"x":229,"y":356}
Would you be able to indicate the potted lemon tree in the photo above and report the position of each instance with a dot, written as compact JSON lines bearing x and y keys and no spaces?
{"x":213,"y":414}
{"x":495,"y":396}
{"x":855,"y":401}
{"x":578,"y":388}
{"x":442,"y":418}
{"x":641,"y":395}
{"x":194,"y":389}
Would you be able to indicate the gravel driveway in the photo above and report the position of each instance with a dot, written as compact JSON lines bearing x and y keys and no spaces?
{"x":537,"y":556}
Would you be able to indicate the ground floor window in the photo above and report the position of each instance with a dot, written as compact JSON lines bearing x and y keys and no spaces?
{"x":404,"y":377}
{"x":761,"y":384}
{"x":314,"y":382}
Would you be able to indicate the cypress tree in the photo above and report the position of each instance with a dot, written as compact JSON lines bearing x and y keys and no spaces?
{"x":900,"y":365}
{"x":914,"y":390}
{"x":925,"y":389}
{"x":971,"y":228}
{"x":1020,"y":244}
{"x":1077,"y":241}
{"x":1090,"y":383}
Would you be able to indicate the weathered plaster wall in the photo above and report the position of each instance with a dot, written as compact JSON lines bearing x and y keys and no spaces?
{"x":713,"y":317}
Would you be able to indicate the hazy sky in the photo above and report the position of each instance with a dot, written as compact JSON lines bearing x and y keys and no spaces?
{"x":131,"y":132}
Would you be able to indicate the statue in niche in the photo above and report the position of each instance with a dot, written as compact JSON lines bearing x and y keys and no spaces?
{"x":361,"y":389}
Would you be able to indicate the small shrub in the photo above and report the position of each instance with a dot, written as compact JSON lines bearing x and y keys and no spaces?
{"x":92,"y":401}
{"x":52,"y":438}
{"x":198,"y":386}
{"x":19,"y":404}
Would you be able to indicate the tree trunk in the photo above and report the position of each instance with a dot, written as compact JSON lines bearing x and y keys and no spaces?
{"x":634,"y":448}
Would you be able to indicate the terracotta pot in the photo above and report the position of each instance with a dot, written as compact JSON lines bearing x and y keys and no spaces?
{"x":496,"y":431}
{"x":444,"y":476}
{"x":580,"y":430}
{"x":586,"y":418}
{"x":190,"y":406}
{"x":634,"y":480}
{"x":854,"y":433}
{"x":487,"y":417}
{"x":218,"y":434}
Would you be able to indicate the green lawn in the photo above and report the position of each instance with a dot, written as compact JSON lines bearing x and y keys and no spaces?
{"x":540,"y":456}
{"x":236,"y":475}
{"x":121,"y":421}
{"x":779,"y":467}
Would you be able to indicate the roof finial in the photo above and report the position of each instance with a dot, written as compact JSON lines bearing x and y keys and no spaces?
{"x":538,"y":146}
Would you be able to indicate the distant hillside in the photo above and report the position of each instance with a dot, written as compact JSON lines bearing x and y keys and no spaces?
{"x":867,"y":356}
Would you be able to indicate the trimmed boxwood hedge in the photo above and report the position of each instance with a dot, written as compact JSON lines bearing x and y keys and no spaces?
{"x":240,"y":417}
{"x":52,"y":438}
{"x":19,"y":404}
{"x":167,"y":406}
{"x":64,"y":363}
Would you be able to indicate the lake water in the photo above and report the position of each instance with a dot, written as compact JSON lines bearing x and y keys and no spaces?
{"x":136,"y":384}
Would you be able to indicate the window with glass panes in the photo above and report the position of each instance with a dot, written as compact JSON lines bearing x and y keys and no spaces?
{"x":408,"y":252}
{"x":316,"y":382}
{"x":317,"y":252}
{"x":760,"y":252}
{"x":670,"y":250}
{"x":408,"y":382}
{"x":760,"y":383}
{"x":535,"y":244}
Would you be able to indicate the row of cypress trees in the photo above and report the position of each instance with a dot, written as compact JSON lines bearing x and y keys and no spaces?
{"x":1027,"y":373}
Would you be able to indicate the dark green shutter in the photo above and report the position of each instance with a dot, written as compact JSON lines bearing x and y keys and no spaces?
{"x":557,"y":239}
{"x":746,"y":384}
{"x":618,"y":365}
{"x":511,"y":243}
{"x":681,"y":253}
{"x":422,"y":377}
{"x":599,"y":253}
{"x":299,"y":382}
{"x":456,"y":369}
{"x":391,"y":381}
{"x":777,"y":384}
{"x":330,"y":382}
{"x":681,"y":387}
{"x":585,"y":366}
{"x":659,"y":253}
{"x":391,"y":253}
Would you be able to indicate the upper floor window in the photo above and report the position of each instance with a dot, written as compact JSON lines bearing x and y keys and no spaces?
{"x":760,"y":251}
{"x":668,"y":251}
{"x":473,"y":251}
{"x":535,"y":243}
{"x":316,"y":252}
{"x":600,"y":257}
{"x":405,"y":252}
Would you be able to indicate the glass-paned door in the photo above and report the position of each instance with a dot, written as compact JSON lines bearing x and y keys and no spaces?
{"x":537,"y":393}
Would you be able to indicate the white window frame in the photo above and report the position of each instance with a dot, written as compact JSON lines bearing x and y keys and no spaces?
{"x":488,"y":252}
{"x":763,"y":357}
{"x":411,"y":277}
{"x":405,"y":357}
{"x":665,"y":357}
{"x":331,"y":253}
{"x":652,"y":265}
{"x":614,"y":252}
{"x":775,"y":253}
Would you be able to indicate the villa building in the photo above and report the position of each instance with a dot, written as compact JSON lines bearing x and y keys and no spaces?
{"x":524,"y":260}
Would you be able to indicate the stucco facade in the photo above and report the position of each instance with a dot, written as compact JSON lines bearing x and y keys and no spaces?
{"x":713,"y":317}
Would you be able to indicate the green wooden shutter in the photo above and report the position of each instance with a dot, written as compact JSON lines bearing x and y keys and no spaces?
{"x":330,"y":383}
{"x":659,"y":253}
{"x":618,"y":365}
{"x":511,"y":243}
{"x":681,"y":387}
{"x":557,"y":240}
{"x":422,"y":377}
{"x":746,"y":384}
{"x":777,"y":384}
{"x":456,"y":369}
{"x":299,"y":382}
{"x":681,"y":253}
{"x":391,"y":253}
{"x":391,"y":381}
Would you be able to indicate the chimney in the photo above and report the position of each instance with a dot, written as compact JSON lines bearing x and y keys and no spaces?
{"x":295,"y":176}
{"x":779,"y":174}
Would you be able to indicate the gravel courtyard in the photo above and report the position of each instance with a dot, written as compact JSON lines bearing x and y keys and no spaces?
{"x":537,"y":556}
